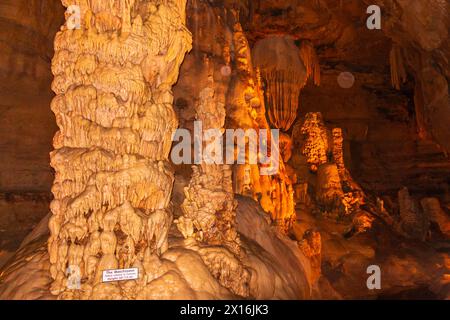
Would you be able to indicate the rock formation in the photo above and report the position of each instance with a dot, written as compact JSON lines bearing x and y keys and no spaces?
{"x":274,"y":191}
{"x":311,"y":61}
{"x":284,"y":69}
{"x":398,"y":72}
{"x":436,"y":214}
{"x":357,"y":175}
{"x":209,"y":207}
{"x":113,"y":105}
{"x":413,"y":220}
{"x":316,"y":146}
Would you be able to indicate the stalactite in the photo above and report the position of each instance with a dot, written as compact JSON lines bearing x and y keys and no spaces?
{"x":398,"y":71}
{"x":311,"y":61}
{"x":284,"y":75}
{"x":114,"y":110}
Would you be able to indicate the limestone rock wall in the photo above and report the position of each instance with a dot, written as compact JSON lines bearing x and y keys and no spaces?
{"x":421,"y":30}
{"x":27,"y":30}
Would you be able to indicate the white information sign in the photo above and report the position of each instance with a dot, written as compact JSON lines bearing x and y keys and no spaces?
{"x":120,"y":275}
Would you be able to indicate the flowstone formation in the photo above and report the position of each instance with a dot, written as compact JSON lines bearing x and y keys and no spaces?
{"x":209,"y":207}
{"x":113,"y":105}
{"x":248,"y":111}
{"x":284,"y":68}
{"x":316,"y":145}
{"x":207,"y":215}
{"x":322,"y":151}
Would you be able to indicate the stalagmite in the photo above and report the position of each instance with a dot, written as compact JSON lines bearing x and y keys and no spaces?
{"x":209,"y":205}
{"x":336,"y":191}
{"x":413,"y":222}
{"x":354,"y":195}
{"x":329,"y":188}
{"x":284,"y":74}
{"x":338,"y":150}
{"x":113,"y":183}
{"x":311,"y":246}
{"x":436,"y":214}
{"x":316,"y":145}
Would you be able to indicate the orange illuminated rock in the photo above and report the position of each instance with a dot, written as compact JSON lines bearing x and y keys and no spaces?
{"x":114,"y":110}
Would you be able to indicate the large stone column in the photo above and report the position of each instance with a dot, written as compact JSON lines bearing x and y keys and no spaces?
{"x":113,"y":77}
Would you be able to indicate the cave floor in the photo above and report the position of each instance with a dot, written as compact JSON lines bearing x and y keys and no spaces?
{"x":409,"y":269}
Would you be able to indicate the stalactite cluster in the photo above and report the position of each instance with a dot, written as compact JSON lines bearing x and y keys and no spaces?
{"x":274,"y":193}
{"x":309,"y":57}
{"x":113,"y":183}
{"x":284,"y":75}
{"x":283,"y":90}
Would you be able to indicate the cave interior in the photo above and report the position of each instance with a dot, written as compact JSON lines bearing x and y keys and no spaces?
{"x":87,"y":116}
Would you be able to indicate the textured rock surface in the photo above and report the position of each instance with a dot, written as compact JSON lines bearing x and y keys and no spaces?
{"x":383,"y":128}
{"x":113,"y":106}
{"x":284,"y":74}
{"x":279,"y":270}
{"x":27,"y":35}
{"x":370,"y":176}
{"x":27,"y":29}
{"x":227,"y":68}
